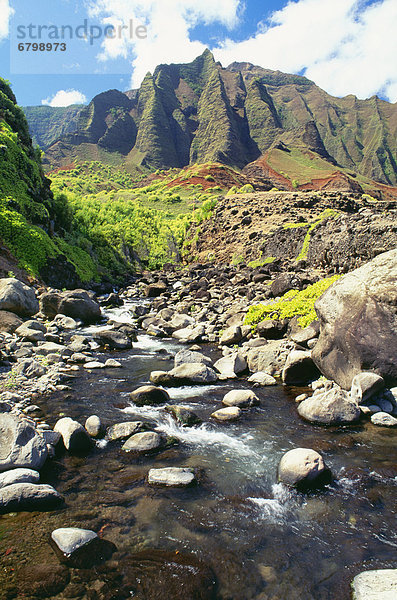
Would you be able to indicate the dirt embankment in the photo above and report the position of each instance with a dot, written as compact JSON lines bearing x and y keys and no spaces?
{"x":331,"y":230}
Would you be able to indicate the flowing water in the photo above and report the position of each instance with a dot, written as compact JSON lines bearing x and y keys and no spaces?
{"x":262,"y":541}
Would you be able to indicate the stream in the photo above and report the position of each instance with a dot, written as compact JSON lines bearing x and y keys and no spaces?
{"x":262,"y":541}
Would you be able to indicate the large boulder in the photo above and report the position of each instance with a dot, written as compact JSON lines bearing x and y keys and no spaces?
{"x":375,"y":585}
{"x":28,"y":496}
{"x":19,"y":476}
{"x":299,"y":368}
{"x":75,"y":437}
{"x":188,"y":373}
{"x":18,"y":298}
{"x":190,"y":356}
{"x":148,"y":395}
{"x":231,"y":365}
{"x":240,"y":398}
{"x":333,"y":407}
{"x":20,"y":444}
{"x":358,"y":320}
{"x":77,"y":304}
{"x":9,"y":322}
{"x":303,"y":468}
{"x":115,"y":340}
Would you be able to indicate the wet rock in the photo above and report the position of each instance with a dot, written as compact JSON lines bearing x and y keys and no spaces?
{"x":183,"y":415}
{"x":365,"y":385}
{"x":18,"y":298}
{"x":116,"y":340}
{"x":121,"y":431}
{"x":380,"y":584}
{"x":80,"y":548}
{"x":189,"y":356}
{"x":19,"y":476}
{"x":231,"y":365}
{"x":77,"y":304}
{"x":383,"y":419}
{"x":94,"y":426}
{"x":9,"y":322}
{"x":299,"y":368}
{"x":191,"y":373}
{"x":74,"y":436}
{"x":64,"y":322}
{"x":172,"y":476}
{"x":241,"y":398}
{"x":262,"y":378}
{"x":231,"y":335}
{"x":160,"y":575}
{"x":28,"y":496}
{"x":358,"y":323}
{"x":333,"y":407}
{"x":230,"y":413}
{"x":42,"y":581}
{"x":162,"y":378}
{"x":94,"y":364}
{"x":113,"y":364}
{"x":303,"y":468}
{"x":70,"y":539}
{"x":20,"y":444}
{"x":140,"y":443}
{"x":51,"y":437}
{"x":148,"y":395}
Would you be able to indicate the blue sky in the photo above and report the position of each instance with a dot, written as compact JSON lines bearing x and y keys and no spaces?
{"x":345,"y":46}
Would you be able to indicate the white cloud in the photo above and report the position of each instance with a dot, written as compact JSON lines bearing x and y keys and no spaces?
{"x":65,"y":98}
{"x":5,"y":13}
{"x":345,"y":46}
{"x":168,"y":26}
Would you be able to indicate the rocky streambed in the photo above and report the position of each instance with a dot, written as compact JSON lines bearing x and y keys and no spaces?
{"x":229,"y":530}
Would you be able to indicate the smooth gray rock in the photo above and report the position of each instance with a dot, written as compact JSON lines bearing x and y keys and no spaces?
{"x":193,"y":373}
{"x":75,"y":437}
{"x":71,"y":539}
{"x":299,"y":368}
{"x":358,"y":321}
{"x":262,"y":378}
{"x":302,"y":468}
{"x":17,"y":297}
{"x":189,"y":356}
{"x":121,"y":431}
{"x":230,"y":413}
{"x":28,"y":496}
{"x":19,"y":476}
{"x":231,"y":335}
{"x":143,"y":442}
{"x":365,"y":385}
{"x":189,"y":334}
{"x":20,"y":444}
{"x":269,"y":358}
{"x":330,"y":408}
{"x":383,"y":419}
{"x":172,"y":476}
{"x":231,"y":365}
{"x":31,"y":331}
{"x":241,"y":398}
{"x":9,"y":322}
{"x":149,"y":395}
{"x":380,"y":584}
{"x":53,"y":348}
{"x":94,"y":426}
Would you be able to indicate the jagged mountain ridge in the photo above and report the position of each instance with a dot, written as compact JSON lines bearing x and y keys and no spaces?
{"x":200,"y":112}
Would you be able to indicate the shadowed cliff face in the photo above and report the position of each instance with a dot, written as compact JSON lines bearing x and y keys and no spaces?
{"x":200,"y":112}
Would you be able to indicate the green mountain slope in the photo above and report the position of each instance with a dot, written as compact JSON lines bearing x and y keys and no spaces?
{"x":48,"y":123}
{"x":196,"y":112}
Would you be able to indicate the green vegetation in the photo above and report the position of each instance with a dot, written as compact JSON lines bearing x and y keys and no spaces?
{"x":261,"y":262}
{"x":327,"y":213}
{"x":291,"y":304}
{"x":48,"y":123}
